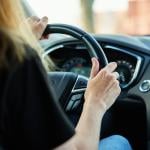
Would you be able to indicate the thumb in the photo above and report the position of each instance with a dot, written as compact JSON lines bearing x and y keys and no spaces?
{"x":95,"y":67}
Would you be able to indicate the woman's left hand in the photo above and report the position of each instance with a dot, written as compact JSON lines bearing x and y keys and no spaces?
{"x":38,"y":26}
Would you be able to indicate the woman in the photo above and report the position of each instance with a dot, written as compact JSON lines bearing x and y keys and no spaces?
{"x":29,"y":116}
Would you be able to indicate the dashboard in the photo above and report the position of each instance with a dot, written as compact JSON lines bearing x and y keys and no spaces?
{"x":73,"y":57}
{"x":130,"y":115}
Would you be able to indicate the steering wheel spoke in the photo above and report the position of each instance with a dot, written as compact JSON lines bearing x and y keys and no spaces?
{"x":80,"y":84}
{"x":77,"y":93}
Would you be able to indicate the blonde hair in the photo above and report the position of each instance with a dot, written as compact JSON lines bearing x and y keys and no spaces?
{"x":18,"y":34}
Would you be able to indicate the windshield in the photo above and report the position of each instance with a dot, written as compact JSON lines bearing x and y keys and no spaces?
{"x":98,"y":16}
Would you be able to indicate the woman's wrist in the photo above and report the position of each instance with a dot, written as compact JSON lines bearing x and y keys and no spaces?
{"x":99,"y":107}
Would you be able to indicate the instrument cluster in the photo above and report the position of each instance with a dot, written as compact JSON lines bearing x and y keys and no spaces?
{"x":77,"y":60}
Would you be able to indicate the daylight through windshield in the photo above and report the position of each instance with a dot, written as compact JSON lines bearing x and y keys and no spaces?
{"x":98,"y":16}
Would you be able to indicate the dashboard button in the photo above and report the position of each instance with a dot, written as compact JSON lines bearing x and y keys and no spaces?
{"x":76,"y":104}
{"x":76,"y":97}
{"x":70,"y":105}
{"x":145,"y":86}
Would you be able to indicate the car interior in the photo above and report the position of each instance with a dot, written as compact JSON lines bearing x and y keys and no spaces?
{"x":71,"y":51}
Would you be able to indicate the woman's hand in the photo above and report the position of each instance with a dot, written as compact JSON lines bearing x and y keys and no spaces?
{"x":102,"y":91}
{"x":103,"y":87}
{"x":38,"y":26}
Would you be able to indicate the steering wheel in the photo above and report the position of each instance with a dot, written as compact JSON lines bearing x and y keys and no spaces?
{"x":70,"y":87}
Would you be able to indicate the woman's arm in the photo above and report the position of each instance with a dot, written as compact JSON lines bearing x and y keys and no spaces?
{"x":102,"y":91}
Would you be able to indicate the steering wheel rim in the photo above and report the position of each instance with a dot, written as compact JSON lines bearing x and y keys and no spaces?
{"x":93,"y":47}
{"x":61,"y":80}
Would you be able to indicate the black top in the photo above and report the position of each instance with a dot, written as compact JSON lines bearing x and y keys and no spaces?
{"x":30,"y":118}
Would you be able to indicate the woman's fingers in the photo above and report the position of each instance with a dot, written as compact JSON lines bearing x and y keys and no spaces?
{"x":44,"y":19}
{"x":41,"y":26}
{"x":104,"y":87}
{"x":107,"y":71}
{"x":111,"y":67}
{"x":38,"y":25}
{"x":33,"y":20}
{"x":95,"y":67}
{"x":116,"y":75}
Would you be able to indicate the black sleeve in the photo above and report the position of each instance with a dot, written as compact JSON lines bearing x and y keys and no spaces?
{"x":33,"y":119}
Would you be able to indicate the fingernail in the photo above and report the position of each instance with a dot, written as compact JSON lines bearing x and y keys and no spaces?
{"x":93,"y":61}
